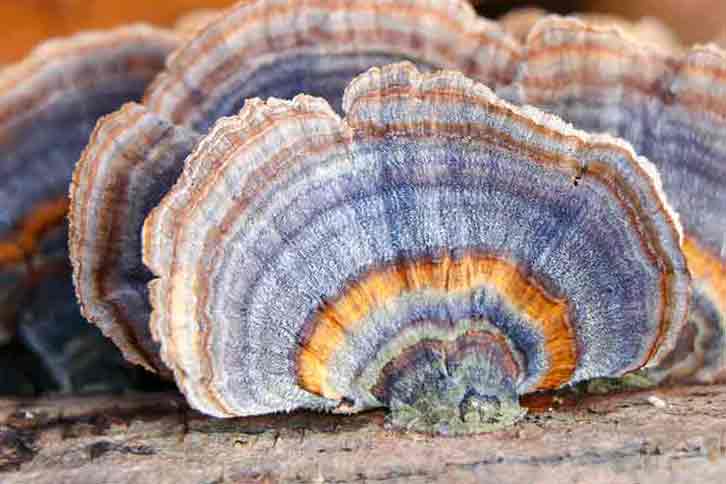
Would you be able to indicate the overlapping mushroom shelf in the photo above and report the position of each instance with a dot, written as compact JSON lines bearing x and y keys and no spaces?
{"x":49,"y":104}
{"x":672,"y":108}
{"x":259,"y":49}
{"x":336,"y":253}
{"x":133,"y":158}
{"x":435,"y":234}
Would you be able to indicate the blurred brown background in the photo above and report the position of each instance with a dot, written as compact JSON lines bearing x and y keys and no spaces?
{"x":24,"y":23}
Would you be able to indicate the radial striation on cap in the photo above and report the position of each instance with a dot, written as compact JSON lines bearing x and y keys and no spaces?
{"x":232,"y":56}
{"x":49,"y":104}
{"x":438,"y":252}
{"x":672,"y":108}
{"x":278,"y":48}
{"x":131,"y":161}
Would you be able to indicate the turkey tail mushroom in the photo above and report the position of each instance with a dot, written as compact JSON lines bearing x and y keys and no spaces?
{"x":672,"y":108}
{"x":131,"y":161}
{"x":258,"y":49}
{"x":438,"y":252}
{"x":49,"y":104}
{"x":279,"y":48}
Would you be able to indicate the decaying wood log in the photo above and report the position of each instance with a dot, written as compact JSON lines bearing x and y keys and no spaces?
{"x":666,"y":435}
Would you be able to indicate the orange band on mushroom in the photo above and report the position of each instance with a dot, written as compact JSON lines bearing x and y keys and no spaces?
{"x":23,"y":242}
{"x":709,"y":269}
{"x":333,"y":321}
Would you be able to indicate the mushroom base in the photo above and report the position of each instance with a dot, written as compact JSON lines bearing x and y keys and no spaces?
{"x":459,"y":387}
{"x":455,"y":414}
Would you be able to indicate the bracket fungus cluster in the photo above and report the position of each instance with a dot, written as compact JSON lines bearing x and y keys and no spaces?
{"x":133,"y":158}
{"x":672,"y":107}
{"x":428,"y":253}
{"x":259,"y":49}
{"x":49,"y":105}
{"x":278,"y":48}
{"x":403,"y":236}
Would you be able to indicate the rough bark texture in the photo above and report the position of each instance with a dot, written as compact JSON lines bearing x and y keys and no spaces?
{"x":624,"y":438}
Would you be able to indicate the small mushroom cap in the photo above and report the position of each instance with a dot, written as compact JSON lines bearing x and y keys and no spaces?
{"x":131,"y":161}
{"x":49,"y":104}
{"x":672,"y":108}
{"x":279,"y":48}
{"x":304,"y":260}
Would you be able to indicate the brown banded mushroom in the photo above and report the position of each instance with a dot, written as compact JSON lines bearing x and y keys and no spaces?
{"x":428,"y":253}
{"x":519,"y":21}
{"x":263,"y":48}
{"x":49,"y":104}
{"x":230,"y":59}
{"x":672,"y":107}
{"x":132,"y":159}
{"x":282,"y":48}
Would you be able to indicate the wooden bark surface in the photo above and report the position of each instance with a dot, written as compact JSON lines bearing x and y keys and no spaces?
{"x":624,"y":438}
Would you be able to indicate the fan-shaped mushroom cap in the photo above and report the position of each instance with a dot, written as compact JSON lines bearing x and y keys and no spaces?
{"x":672,"y":108}
{"x":281,"y":48}
{"x":230,"y":59}
{"x":439,"y":252}
{"x":58,"y":93}
{"x":49,"y":104}
{"x":132,"y":160}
